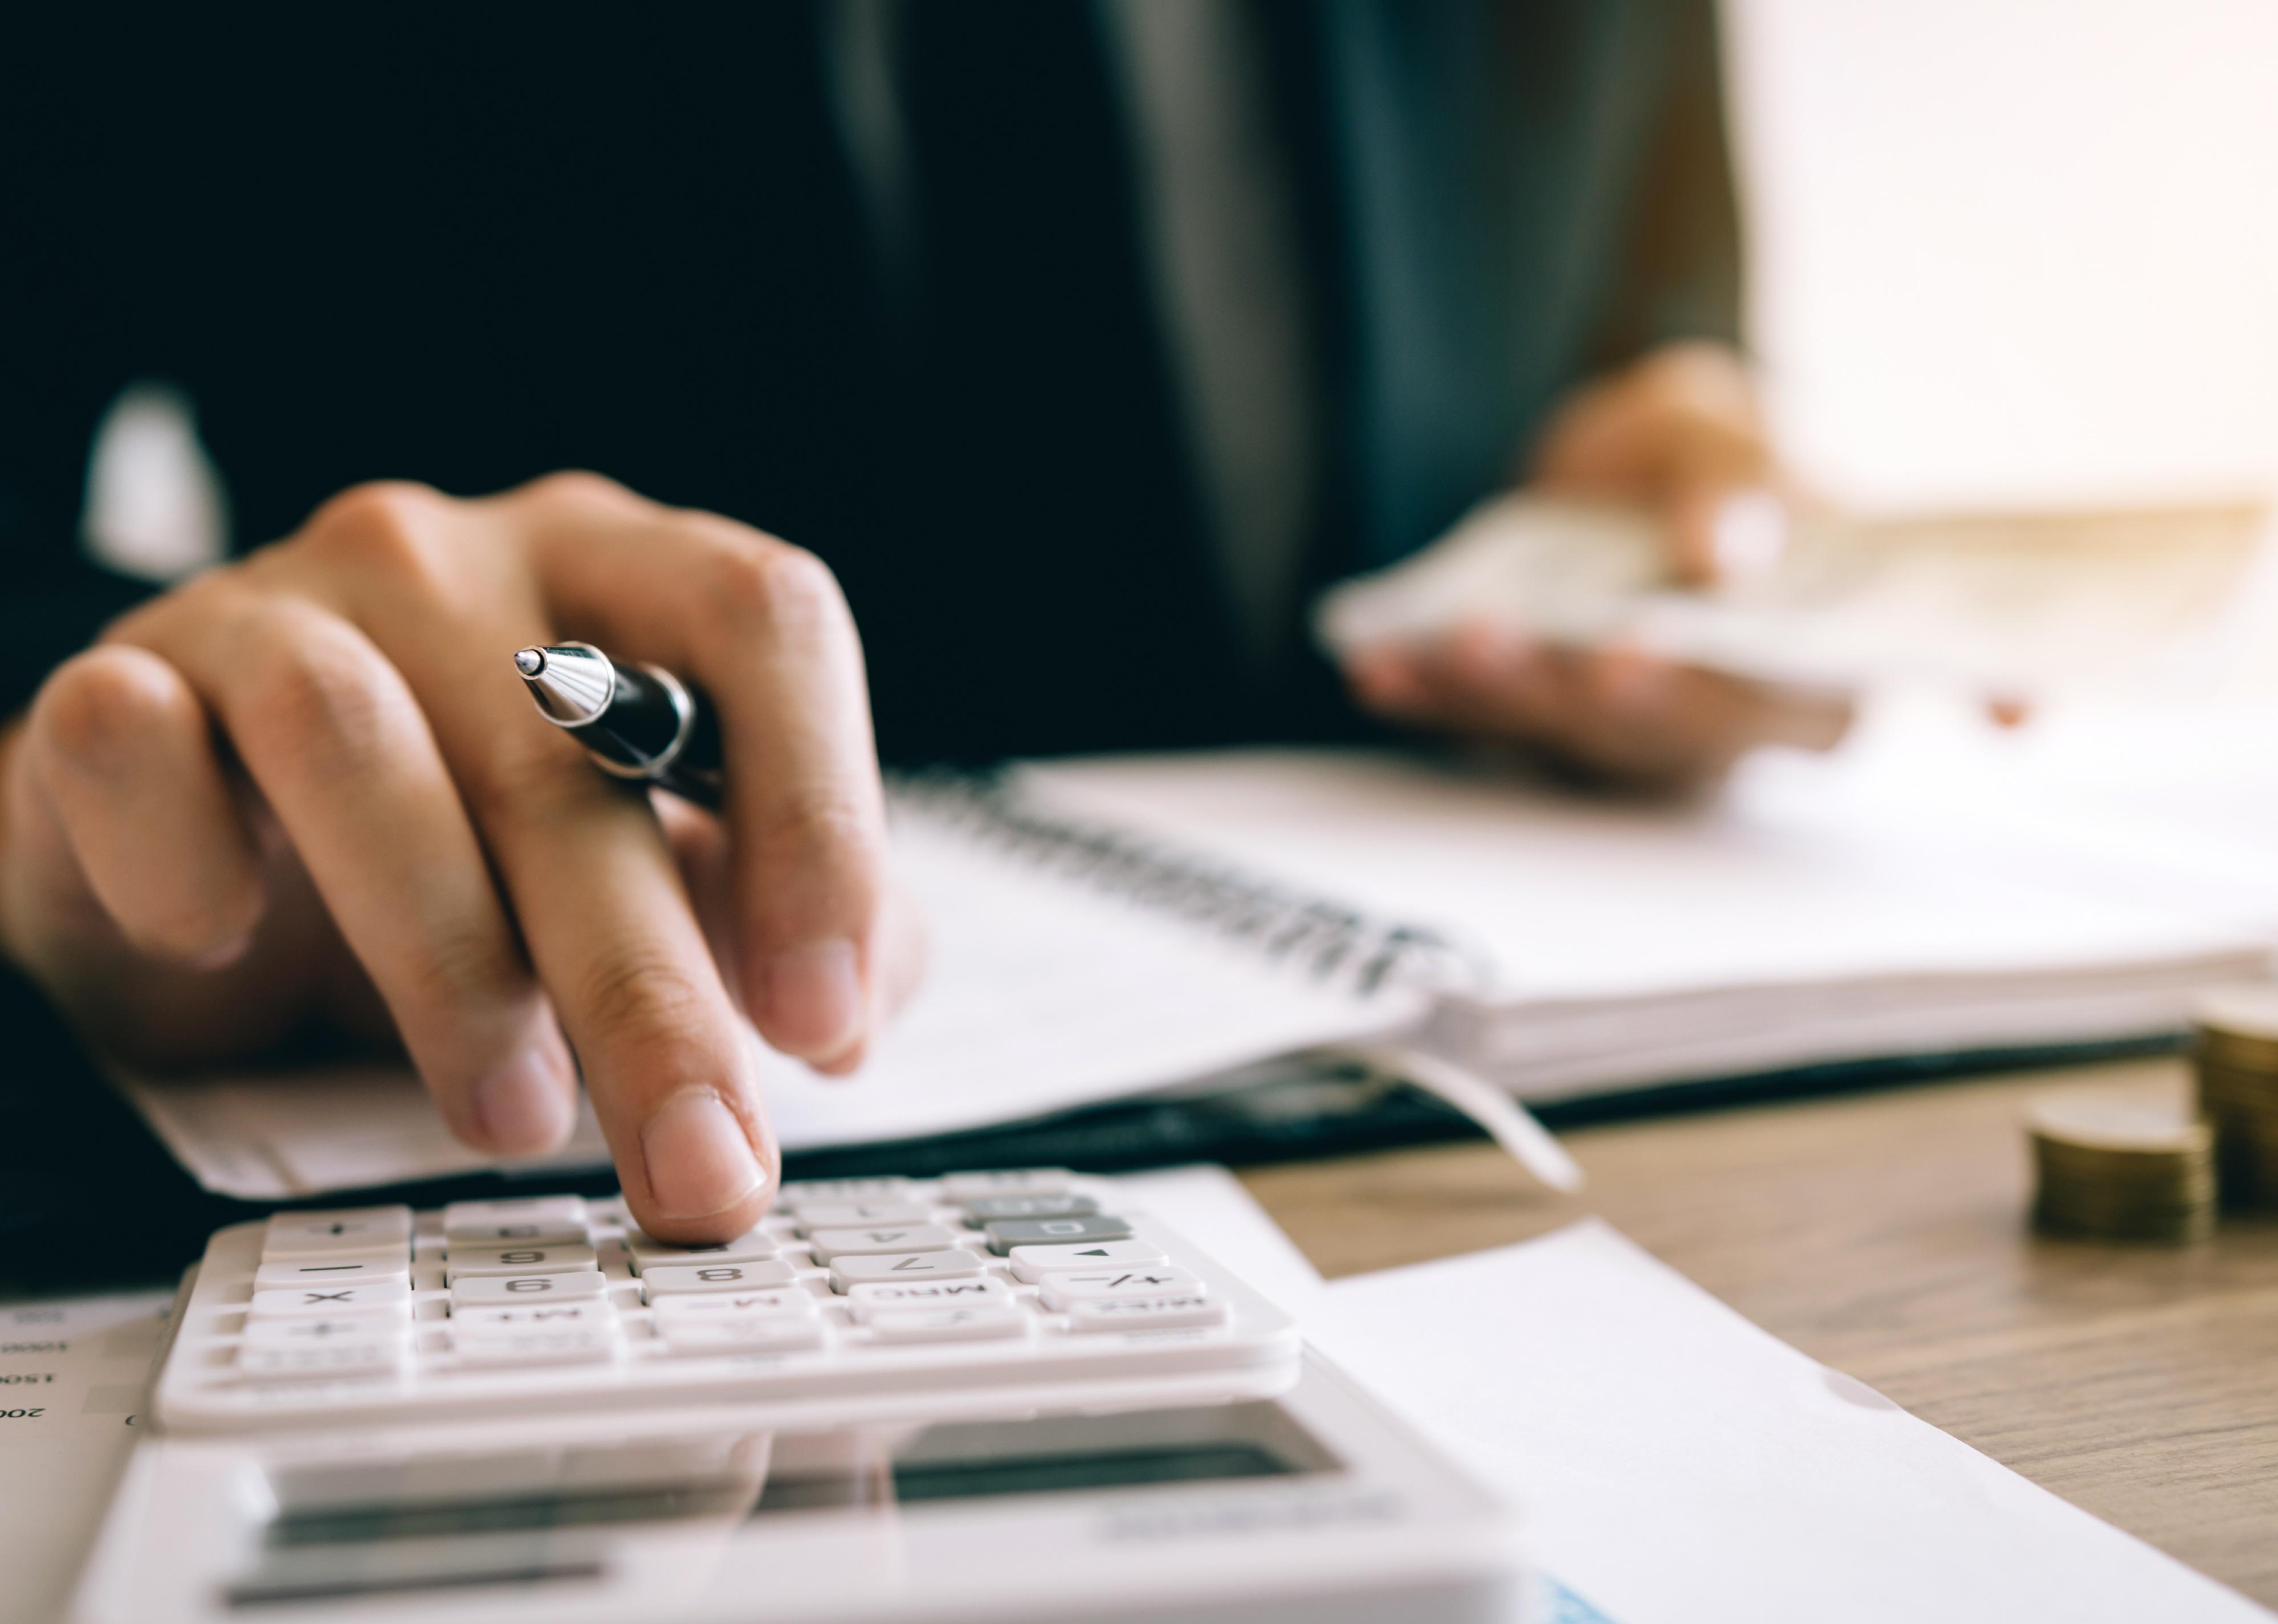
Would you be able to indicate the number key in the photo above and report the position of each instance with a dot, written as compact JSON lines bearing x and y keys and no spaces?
{"x":673,"y":1280}
{"x":492,"y":1291}
{"x":554,"y":1260}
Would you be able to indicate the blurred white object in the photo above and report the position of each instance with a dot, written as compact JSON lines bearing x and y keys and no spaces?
{"x":155,"y":504}
{"x":2015,"y":605}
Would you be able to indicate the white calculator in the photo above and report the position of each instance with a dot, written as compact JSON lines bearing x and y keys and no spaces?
{"x":855,"y":1299}
{"x":894,"y":1399}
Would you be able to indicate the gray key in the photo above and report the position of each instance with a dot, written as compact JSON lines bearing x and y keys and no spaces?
{"x":1007,"y":1233}
{"x":990,"y":1209}
{"x":851,"y":1271}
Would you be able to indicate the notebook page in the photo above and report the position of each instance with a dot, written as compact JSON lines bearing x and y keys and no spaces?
{"x":1581,"y":899}
{"x":1041,"y":996}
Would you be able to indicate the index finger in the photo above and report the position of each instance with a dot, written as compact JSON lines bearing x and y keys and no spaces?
{"x":763,"y":628}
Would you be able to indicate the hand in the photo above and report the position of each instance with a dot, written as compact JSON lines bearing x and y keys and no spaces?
{"x":1679,"y":432}
{"x":307,"y":790}
{"x":1611,"y":715}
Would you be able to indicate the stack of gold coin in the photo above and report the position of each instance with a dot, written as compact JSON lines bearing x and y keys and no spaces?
{"x":2237,"y":1055}
{"x":2116,"y":1168}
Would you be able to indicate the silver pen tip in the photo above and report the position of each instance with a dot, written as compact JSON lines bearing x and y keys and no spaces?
{"x":530,"y":662}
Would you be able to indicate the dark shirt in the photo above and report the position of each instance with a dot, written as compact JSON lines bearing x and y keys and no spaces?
{"x":468,"y":246}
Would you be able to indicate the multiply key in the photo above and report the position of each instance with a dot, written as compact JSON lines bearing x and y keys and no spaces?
{"x":1007,"y":1233}
{"x":332,"y":1300}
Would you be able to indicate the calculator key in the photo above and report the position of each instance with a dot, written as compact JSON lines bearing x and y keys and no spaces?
{"x":543,"y":1220}
{"x":962,"y":1187}
{"x":668,"y":1279}
{"x":849,"y":1272}
{"x":988,"y":1208}
{"x":901,"y":1325}
{"x":1031,"y":1264}
{"x":749,"y":1248}
{"x":567,"y":1345}
{"x":856,"y":1214}
{"x":489,"y":1291}
{"x":883,"y":1296}
{"x":1179,"y":1311}
{"x":291,"y":1271}
{"x":377,"y":1356}
{"x":830,"y":1245}
{"x":765,"y":1334}
{"x":792,"y":1300}
{"x":532,"y":1260}
{"x":541,"y":1315}
{"x":332,"y":1300}
{"x":807,"y":1192}
{"x":303,"y":1330}
{"x":1061,"y":1290}
{"x":354,"y":1228}
{"x":1007,"y":1233}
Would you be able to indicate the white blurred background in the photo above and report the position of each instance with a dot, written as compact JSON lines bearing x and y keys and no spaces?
{"x":2014,"y":253}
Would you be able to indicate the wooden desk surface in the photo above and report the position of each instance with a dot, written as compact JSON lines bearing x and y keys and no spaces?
{"x":1884,"y":1234}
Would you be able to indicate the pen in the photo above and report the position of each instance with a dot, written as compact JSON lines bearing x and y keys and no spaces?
{"x":636,"y":723}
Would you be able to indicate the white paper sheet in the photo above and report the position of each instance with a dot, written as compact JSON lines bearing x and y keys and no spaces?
{"x":72,"y":1371}
{"x":1674,"y":1464}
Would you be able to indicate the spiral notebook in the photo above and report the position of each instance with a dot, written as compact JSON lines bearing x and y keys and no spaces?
{"x":1170,"y":925}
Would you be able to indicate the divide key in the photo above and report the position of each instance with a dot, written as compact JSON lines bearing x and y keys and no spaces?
{"x":1007,"y":1233}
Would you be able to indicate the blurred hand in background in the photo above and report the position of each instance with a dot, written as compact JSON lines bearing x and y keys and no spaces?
{"x":1681,"y":432}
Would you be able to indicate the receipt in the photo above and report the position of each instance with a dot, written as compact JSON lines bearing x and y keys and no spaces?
{"x":2015,"y":606}
{"x":72,"y":1372}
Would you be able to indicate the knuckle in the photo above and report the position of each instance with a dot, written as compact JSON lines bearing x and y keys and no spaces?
{"x":771,"y":587}
{"x":465,"y":961}
{"x":104,"y":705}
{"x":533,"y":777}
{"x":652,"y":1006}
{"x":395,"y":527}
{"x":817,"y":823}
{"x":577,"y":487}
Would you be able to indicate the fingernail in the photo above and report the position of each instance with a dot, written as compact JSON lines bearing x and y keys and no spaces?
{"x":698,"y":1160}
{"x":1748,"y":535}
{"x":814,"y":997}
{"x":523,"y":1107}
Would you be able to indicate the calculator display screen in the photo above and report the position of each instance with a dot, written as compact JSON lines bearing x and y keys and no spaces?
{"x":332,"y":1539}
{"x":1053,"y":1473}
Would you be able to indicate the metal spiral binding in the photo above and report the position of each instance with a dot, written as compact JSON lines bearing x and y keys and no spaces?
{"x":1331,"y":940}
